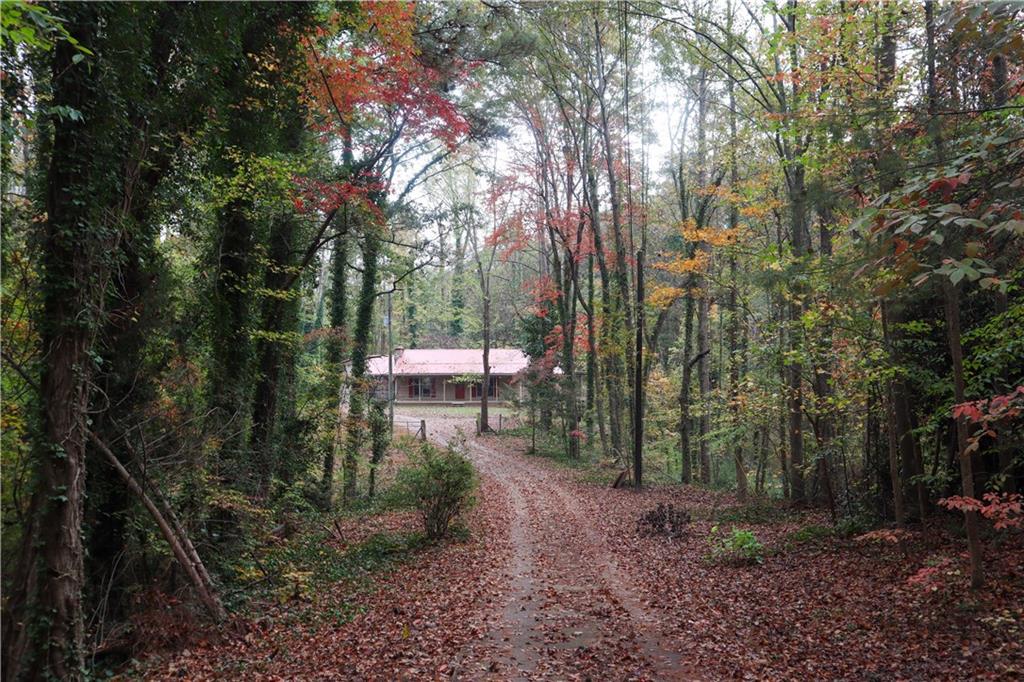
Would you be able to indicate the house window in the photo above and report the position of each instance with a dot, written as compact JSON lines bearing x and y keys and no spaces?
{"x":421,"y":387}
{"x":493,"y":386}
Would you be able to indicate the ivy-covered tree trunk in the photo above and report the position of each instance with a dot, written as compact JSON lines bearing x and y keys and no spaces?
{"x":43,"y":623}
{"x":254,"y":131}
{"x":336,"y":351}
{"x":278,"y":315}
{"x":361,"y":388}
{"x":231,"y":309}
{"x":277,"y":327}
{"x":608,"y":351}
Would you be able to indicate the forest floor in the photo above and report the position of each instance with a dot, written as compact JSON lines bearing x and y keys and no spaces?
{"x":554,"y":582}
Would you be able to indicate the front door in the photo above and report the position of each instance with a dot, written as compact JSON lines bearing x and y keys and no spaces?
{"x":460,"y":391}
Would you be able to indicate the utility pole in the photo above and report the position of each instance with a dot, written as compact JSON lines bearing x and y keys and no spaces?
{"x":391,"y":370}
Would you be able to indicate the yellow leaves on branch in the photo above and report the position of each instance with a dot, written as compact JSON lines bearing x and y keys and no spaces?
{"x":713,"y":236}
{"x":723,"y":192}
{"x":662,"y":297}
{"x":762,"y":209}
{"x":686,"y":266}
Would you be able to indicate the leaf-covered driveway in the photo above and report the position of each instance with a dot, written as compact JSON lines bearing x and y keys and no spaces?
{"x":568,"y":611}
{"x":555,"y":583}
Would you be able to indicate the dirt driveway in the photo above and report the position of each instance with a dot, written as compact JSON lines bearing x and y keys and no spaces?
{"x":568,"y":611}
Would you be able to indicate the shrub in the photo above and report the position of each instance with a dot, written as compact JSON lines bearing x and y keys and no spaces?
{"x":738,"y":547}
{"x":811,"y":534}
{"x":663,"y":521}
{"x":857,"y":524}
{"x":440,"y":483}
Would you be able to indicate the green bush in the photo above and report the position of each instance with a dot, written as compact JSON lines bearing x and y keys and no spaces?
{"x":857,"y":524}
{"x":738,"y":547}
{"x":809,"y":535}
{"x":440,"y":484}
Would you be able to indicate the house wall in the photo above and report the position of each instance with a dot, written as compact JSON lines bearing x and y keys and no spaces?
{"x":445,"y":388}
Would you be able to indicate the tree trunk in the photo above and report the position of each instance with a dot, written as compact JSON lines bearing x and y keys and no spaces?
{"x":952,"y":302}
{"x":704,"y":379}
{"x":180,"y":546}
{"x":704,"y":287}
{"x":611,"y":370}
{"x":799,"y":239}
{"x":783,"y":411}
{"x":335,"y":353}
{"x":271,"y":353}
{"x":43,"y":619}
{"x":734,"y":376}
{"x":361,"y":388}
{"x":620,"y":396}
{"x":486,"y":388}
{"x":894,"y":465}
{"x":591,"y":354}
{"x":458,"y":298}
{"x":822,"y":384}
{"x":734,"y":312}
{"x":685,"y":422}
{"x":794,"y":377}
{"x":638,"y":382}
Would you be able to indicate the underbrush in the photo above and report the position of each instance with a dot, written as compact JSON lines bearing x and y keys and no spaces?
{"x":812,"y":534}
{"x":737,"y":547}
{"x":439,"y":483}
{"x":551,"y":447}
{"x":296,"y":571}
{"x":310,"y":552}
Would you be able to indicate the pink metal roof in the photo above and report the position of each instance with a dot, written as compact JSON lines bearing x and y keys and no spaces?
{"x":449,"y":361}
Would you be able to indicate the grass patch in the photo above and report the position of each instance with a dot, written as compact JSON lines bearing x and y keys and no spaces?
{"x":468,"y":410}
{"x":813,"y":535}
{"x":554,"y":449}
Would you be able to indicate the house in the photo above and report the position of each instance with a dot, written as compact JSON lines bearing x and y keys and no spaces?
{"x":449,"y":375}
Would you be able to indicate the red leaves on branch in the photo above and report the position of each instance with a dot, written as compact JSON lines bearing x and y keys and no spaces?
{"x":371,"y":75}
{"x":316,"y":195}
{"x":989,"y":413}
{"x":946,"y":186}
{"x":1003,"y":509}
{"x":543,"y":291}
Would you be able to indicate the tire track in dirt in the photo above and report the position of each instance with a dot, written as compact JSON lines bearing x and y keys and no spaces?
{"x":569,"y":612}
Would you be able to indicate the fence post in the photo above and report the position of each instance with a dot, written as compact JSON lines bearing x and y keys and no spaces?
{"x":478,"y":425}
{"x":499,"y":422}
{"x":423,"y":429}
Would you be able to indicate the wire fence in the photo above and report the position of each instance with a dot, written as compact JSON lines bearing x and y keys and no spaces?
{"x":502,"y":422}
{"x":415,"y":428}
